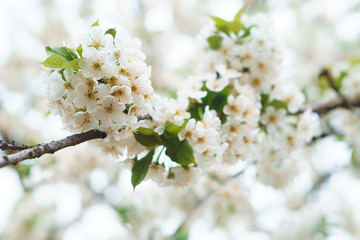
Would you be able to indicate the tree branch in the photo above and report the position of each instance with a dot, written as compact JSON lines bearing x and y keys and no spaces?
{"x":342,"y":102}
{"x":12,"y":146}
{"x":325,"y":108}
{"x":51,"y":147}
{"x":195,"y":207}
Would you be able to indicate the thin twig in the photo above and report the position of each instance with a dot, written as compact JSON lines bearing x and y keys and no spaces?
{"x":330,"y":79}
{"x":192,"y":210}
{"x":51,"y":147}
{"x":342,"y":102}
{"x":321,"y":181}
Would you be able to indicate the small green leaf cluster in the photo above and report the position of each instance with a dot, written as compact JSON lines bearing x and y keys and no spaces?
{"x":215,"y":100}
{"x":125,"y":212}
{"x":323,"y":82}
{"x":277,"y":104}
{"x":64,"y":57}
{"x":228,"y":28}
{"x":354,"y":61}
{"x":178,"y":151}
{"x":323,"y":227}
{"x":24,"y":170}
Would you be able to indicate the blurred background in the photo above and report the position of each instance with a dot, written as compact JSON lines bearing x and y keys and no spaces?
{"x":79,"y":193}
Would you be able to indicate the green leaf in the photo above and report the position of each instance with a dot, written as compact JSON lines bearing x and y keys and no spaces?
{"x":322,"y":227}
{"x":111,"y":31}
{"x":147,"y":137}
{"x":171,"y":92}
{"x":180,"y":152}
{"x":215,"y":100}
{"x":54,"y":61}
{"x":23,"y":170}
{"x":181,"y":235}
{"x":214,"y":42}
{"x":264,"y":102}
{"x":172,"y":130}
{"x":32,"y":221}
{"x":79,"y":50}
{"x":74,"y":64}
{"x":324,"y":80}
{"x":354,"y":61}
{"x":323,"y":83}
{"x":140,"y":168}
{"x":95,"y":24}
{"x":340,"y":137}
{"x":264,"y":99}
{"x":67,"y":53}
{"x":125,"y":212}
{"x":278,"y":104}
{"x":196,"y":109}
{"x":241,"y":11}
{"x":227,"y":27}
{"x":221,"y":25}
{"x":201,"y":113}
{"x":247,"y":31}
{"x":230,"y":207}
{"x":220,"y":99}
{"x":339,"y":80}
{"x":236,"y":27}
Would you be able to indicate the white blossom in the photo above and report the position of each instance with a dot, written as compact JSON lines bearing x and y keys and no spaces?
{"x":192,"y":131}
{"x":96,"y":39}
{"x":86,"y":97}
{"x":110,"y":112}
{"x":122,"y":94}
{"x":273,"y":119}
{"x":309,"y":125}
{"x":95,"y":65}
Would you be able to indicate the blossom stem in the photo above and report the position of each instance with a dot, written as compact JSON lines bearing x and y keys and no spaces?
{"x":157,"y":159}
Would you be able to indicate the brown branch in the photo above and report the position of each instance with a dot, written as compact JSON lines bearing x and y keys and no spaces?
{"x":31,"y":152}
{"x":12,"y":146}
{"x":325,"y":108}
{"x":330,"y":79}
{"x":51,"y":147}
{"x":342,"y":102}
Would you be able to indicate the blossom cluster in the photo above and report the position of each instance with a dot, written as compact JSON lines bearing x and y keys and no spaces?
{"x":102,"y":85}
{"x":260,"y":113}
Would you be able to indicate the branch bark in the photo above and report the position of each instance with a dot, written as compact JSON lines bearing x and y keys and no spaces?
{"x":51,"y":147}
{"x":325,"y":108}
{"x":31,"y":152}
{"x":12,"y":146}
